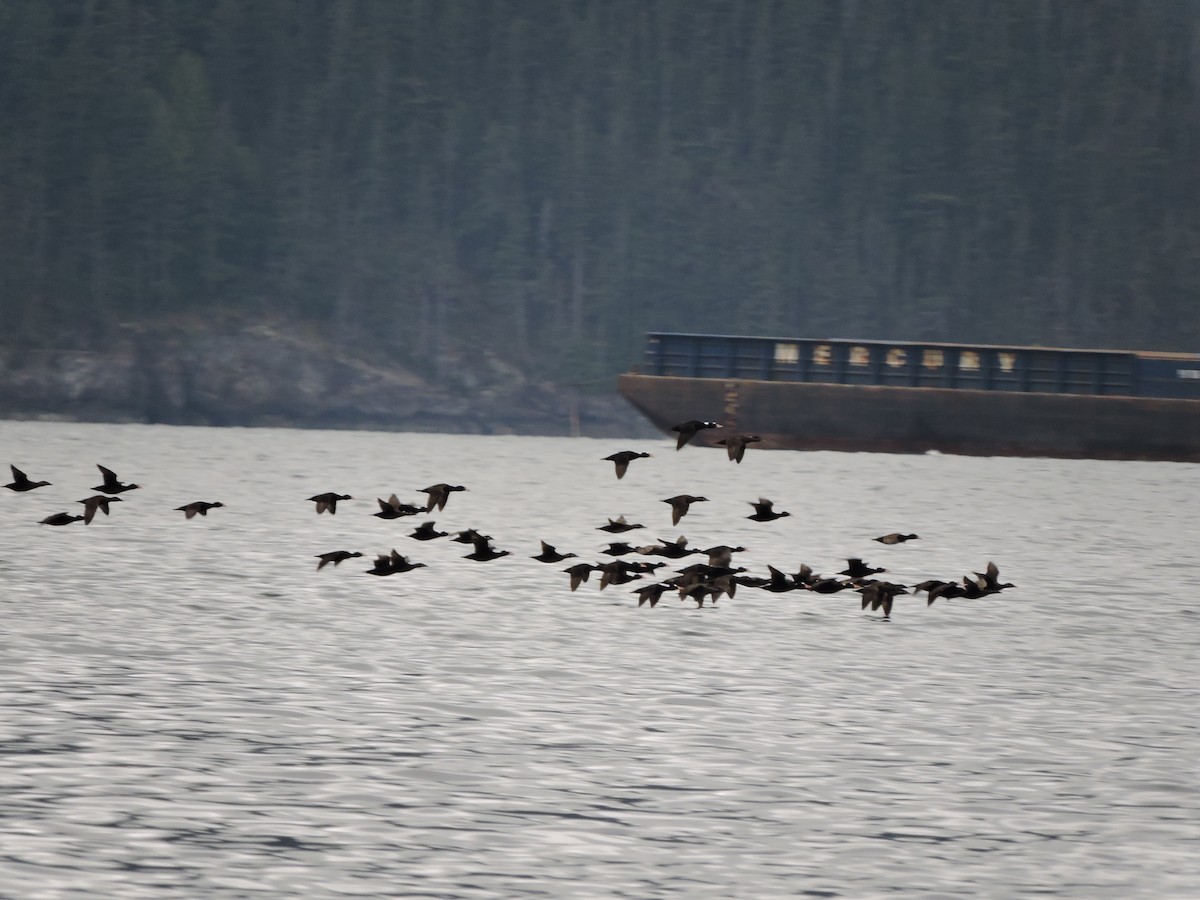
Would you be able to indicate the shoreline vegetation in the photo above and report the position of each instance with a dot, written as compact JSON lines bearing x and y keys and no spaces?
{"x":453,"y":213}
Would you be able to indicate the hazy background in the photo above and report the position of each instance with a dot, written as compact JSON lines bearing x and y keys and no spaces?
{"x":425,"y":184}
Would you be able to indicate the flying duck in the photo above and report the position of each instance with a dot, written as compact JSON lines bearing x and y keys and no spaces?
{"x":680,"y":504}
{"x":199,"y":507}
{"x":619,"y":572}
{"x":880,"y":594}
{"x":439,"y":493}
{"x":764,"y":511}
{"x":484,"y":550}
{"x":736,"y":445}
{"x":779,"y":583}
{"x":328,"y":501}
{"x":22,"y":483}
{"x":722,"y":554}
{"x":895,"y":538}
{"x":112,"y":484}
{"x":805,"y":576}
{"x":989,"y":579}
{"x":676,"y":549}
{"x":618,"y":526}
{"x":703,"y":571}
{"x":426,"y":532}
{"x":700,"y":591}
{"x":335,"y":557}
{"x":928,"y":585}
{"x":856,"y":568}
{"x":579,"y":573}
{"x":393,"y":563}
{"x":61,"y":518}
{"x":617,"y":548}
{"x":551,"y":555}
{"x":382,"y":565}
{"x":98,"y":502}
{"x":689,"y":429}
{"x":828,"y":585}
{"x":947,"y":590}
{"x":652,"y":593}
{"x":622,"y":460}
{"x":401,"y":563}
{"x":392,"y":508}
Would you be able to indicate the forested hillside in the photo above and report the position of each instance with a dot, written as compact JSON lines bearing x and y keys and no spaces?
{"x":421,"y":179}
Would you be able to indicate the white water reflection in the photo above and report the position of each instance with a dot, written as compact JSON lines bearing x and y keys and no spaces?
{"x":192,"y":710}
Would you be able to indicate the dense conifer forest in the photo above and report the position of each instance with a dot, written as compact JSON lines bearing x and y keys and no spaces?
{"x":551,"y":178}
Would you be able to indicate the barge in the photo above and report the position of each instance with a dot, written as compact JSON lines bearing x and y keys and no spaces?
{"x":916,"y":397}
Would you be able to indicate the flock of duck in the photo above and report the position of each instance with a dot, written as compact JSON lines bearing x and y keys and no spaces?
{"x":701,"y":582}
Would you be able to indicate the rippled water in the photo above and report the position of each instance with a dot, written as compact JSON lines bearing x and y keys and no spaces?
{"x":191,"y":710}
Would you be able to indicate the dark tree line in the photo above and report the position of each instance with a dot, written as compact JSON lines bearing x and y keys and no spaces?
{"x":551,"y":178}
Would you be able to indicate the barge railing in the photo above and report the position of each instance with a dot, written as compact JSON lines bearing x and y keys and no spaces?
{"x":924,"y":364}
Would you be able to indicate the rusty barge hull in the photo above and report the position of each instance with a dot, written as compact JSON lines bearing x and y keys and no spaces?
{"x":892,"y":419}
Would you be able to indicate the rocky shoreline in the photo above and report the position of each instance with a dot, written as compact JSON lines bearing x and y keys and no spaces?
{"x":263,"y":377}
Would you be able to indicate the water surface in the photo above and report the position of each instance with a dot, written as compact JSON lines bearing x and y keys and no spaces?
{"x":191,"y":710}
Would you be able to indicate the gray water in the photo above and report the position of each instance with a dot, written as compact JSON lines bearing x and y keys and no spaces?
{"x":192,"y":710}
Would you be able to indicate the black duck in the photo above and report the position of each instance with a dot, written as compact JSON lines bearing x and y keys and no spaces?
{"x":61,"y":518}
{"x":22,"y":483}
{"x":550,"y":555}
{"x":764,"y":511}
{"x":328,"y":502}
{"x":680,"y":505}
{"x":622,"y":460}
{"x":335,"y":557}
{"x":895,"y":538}
{"x":98,"y":502}
{"x":439,"y":494}
{"x":112,"y":484}
{"x":618,"y":526}
{"x":426,"y":532}
{"x":197,"y":508}
{"x":689,"y":429}
{"x":736,"y":444}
